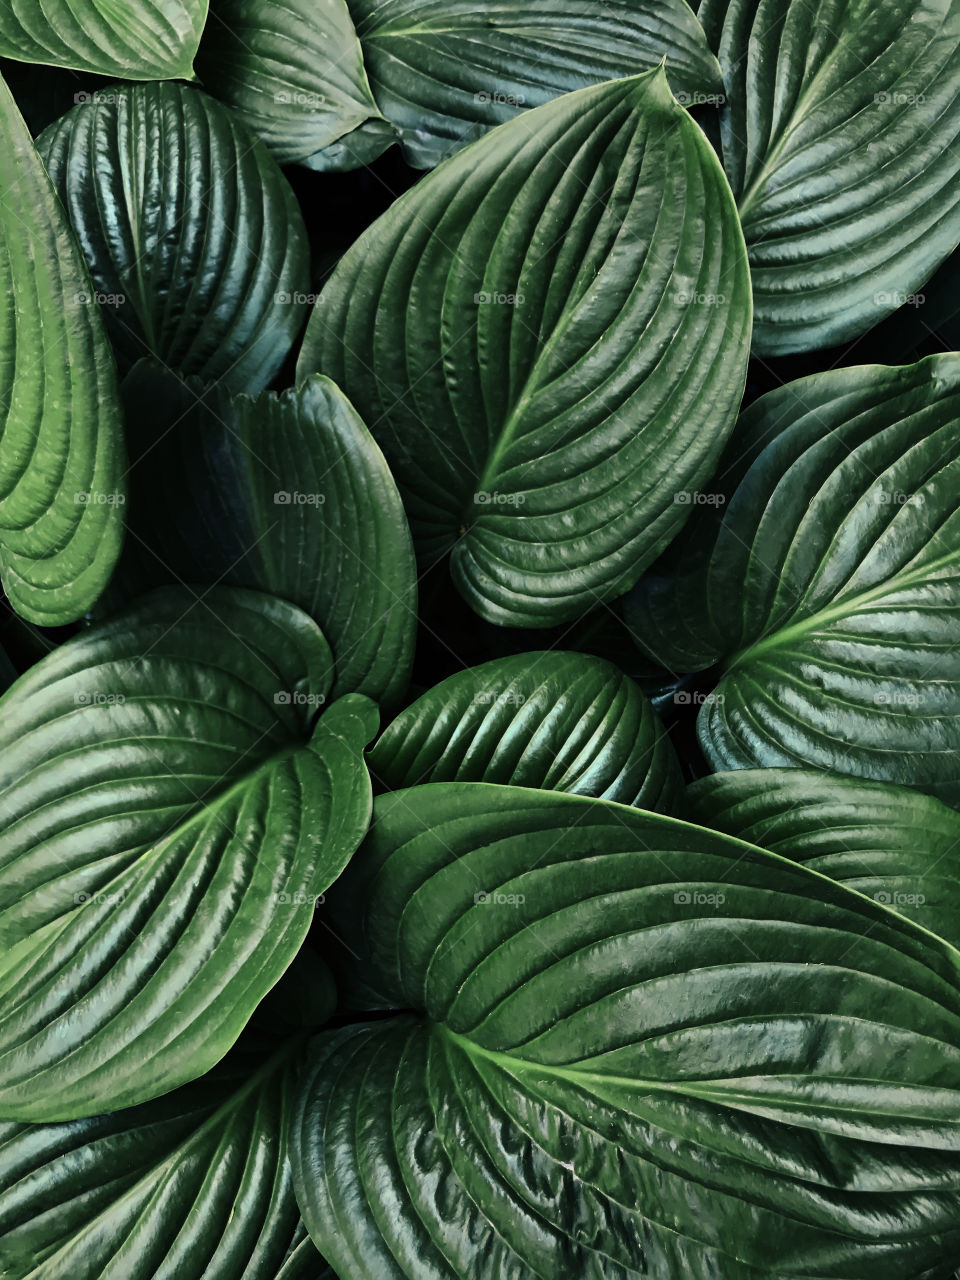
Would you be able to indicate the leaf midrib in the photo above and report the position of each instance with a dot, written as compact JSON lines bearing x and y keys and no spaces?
{"x":833,"y":613}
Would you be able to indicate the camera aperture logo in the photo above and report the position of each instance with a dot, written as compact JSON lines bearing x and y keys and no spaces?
{"x":485,"y":899}
{"x":298,"y":698}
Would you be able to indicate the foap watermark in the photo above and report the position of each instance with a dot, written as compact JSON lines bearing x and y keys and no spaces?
{"x":294,"y":498}
{"x":100,"y":299}
{"x":897,"y":498}
{"x":98,"y":899}
{"x":895,"y":98}
{"x":487,"y":698}
{"x":296,"y":299}
{"x":93,"y":498}
{"x":99,"y":97}
{"x":298,"y":698}
{"x":485,"y":899}
{"x":693,"y":298}
{"x":498,"y":98}
{"x":297,"y":98}
{"x":491,"y":498}
{"x":492,"y":298}
{"x":894,"y":298}
{"x":698,"y":99}
{"x":694,"y":498}
{"x":896,"y":699}
{"x":312,"y":900}
{"x":692,"y":698}
{"x":893,"y":898}
{"x":97,"y":698}
{"x":697,"y":898}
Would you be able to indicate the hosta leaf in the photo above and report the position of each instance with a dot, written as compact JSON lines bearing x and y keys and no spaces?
{"x":444,"y":71}
{"x":828,"y":589}
{"x":193,"y":236}
{"x":294,"y":73}
{"x":557,"y":721}
{"x":170,"y":816}
{"x":896,"y":846}
{"x":61,"y":449}
{"x":287,"y":494}
{"x":548,"y":338}
{"x":136,"y":40}
{"x":194,"y":1184}
{"x":841,"y":139}
{"x":648,"y":1050}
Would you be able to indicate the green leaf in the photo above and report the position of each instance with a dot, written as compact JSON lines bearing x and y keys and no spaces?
{"x":899,"y":848}
{"x":556,"y":721}
{"x":548,"y":336}
{"x":841,"y":140}
{"x":193,"y":236}
{"x":61,"y":448}
{"x":445,"y":71}
{"x":647,"y":1050}
{"x":135,"y":40}
{"x":294,"y":73}
{"x":828,"y":587}
{"x":170,"y":816}
{"x":194,"y":1184}
{"x":286,"y":494}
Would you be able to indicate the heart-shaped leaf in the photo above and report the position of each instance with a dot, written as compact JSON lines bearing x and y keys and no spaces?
{"x":648,"y":1049}
{"x":61,"y":449}
{"x":828,"y":587}
{"x":548,"y":337}
{"x":195,"y":1183}
{"x":193,"y":236}
{"x":841,"y":140}
{"x":898,"y":847}
{"x":170,"y":817}
{"x":445,"y":71}
{"x":293,"y":71}
{"x":556,"y":721}
{"x":135,"y":40}
{"x":286,"y":494}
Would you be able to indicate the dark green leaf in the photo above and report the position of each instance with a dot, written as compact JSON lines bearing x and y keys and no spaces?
{"x":61,"y":451}
{"x":193,"y":236}
{"x":841,"y":140}
{"x":293,"y":71}
{"x":445,"y":71}
{"x":287,"y":494}
{"x":648,"y":1051}
{"x":170,"y":817}
{"x":136,"y":40}
{"x":548,"y":337}
{"x":898,"y":847}
{"x":828,"y":588}
{"x":195,"y":1184}
{"x":557,"y":721}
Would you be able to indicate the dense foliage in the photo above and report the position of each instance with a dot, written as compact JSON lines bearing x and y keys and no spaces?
{"x":480,"y":668}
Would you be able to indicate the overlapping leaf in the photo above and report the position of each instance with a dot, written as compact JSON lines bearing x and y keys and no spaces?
{"x":648,"y":1050}
{"x":828,"y":590}
{"x":294,"y":73}
{"x":548,"y":337}
{"x":898,"y":847}
{"x":169,"y":818}
{"x":841,"y":139}
{"x":135,"y":40}
{"x":287,"y":494}
{"x":193,"y":236}
{"x":194,"y":1184}
{"x":557,"y":721}
{"x":445,"y":71}
{"x":61,"y":449}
